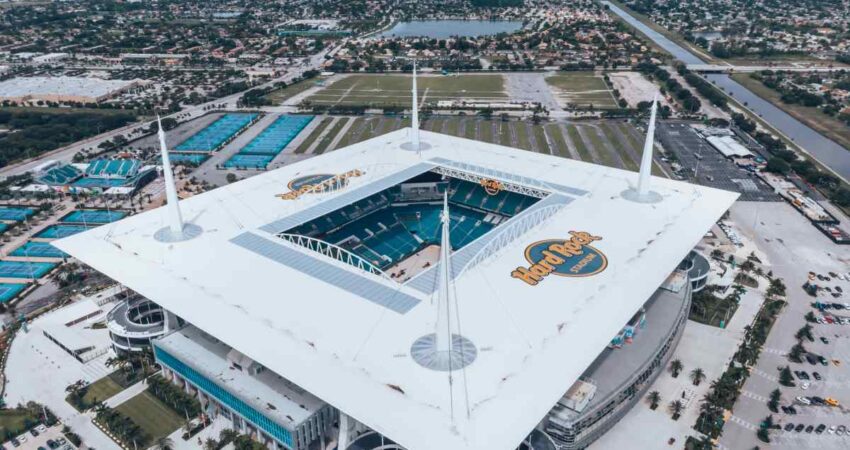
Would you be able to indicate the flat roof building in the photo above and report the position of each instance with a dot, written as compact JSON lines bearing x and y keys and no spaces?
{"x":323,"y":273}
{"x":63,"y":89}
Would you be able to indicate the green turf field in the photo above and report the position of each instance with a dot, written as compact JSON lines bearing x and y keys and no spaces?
{"x":101,"y":390}
{"x":306,"y":143}
{"x":394,"y":90}
{"x":154,"y":417}
{"x":582,"y":89}
{"x":278,"y":96}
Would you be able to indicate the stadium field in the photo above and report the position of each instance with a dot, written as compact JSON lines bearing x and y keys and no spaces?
{"x":389,"y":90}
{"x":582,"y":89}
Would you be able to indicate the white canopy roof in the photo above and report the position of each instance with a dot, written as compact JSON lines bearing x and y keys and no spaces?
{"x":346,"y":347}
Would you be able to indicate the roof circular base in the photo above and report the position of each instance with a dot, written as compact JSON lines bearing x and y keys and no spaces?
{"x":190,"y":231}
{"x":649,"y":197}
{"x":409,"y":146}
{"x":424,"y":352}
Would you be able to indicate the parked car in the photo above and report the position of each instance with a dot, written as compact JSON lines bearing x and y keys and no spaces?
{"x":15,"y":443}
{"x":831,"y":401}
{"x":805,"y":385}
{"x":41,"y":428}
{"x":820,"y":428}
{"x":810,"y":428}
{"x":789,"y":427}
{"x":792,"y":410}
{"x":817,"y":376}
{"x":841,"y":429}
{"x":831,"y":430}
{"x":33,"y":432}
{"x":799,"y":428}
{"x":811,"y":359}
{"x":823,"y":360}
{"x":804,"y":400}
{"x":824,"y":340}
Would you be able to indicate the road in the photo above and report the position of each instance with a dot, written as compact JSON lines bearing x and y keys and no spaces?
{"x":67,"y":153}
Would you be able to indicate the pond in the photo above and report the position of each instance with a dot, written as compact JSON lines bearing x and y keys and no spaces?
{"x":442,"y":29}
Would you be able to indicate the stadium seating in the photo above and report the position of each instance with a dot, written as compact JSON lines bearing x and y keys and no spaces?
{"x":385,"y":233}
{"x":113,"y":168}
{"x":61,"y":175}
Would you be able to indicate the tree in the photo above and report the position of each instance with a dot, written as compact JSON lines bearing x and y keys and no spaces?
{"x":676,"y":408}
{"x":785,"y":377}
{"x":773,"y":402}
{"x":697,"y":376}
{"x":231,"y":177}
{"x":797,"y":352}
{"x":654,"y":398}
{"x":163,"y":443}
{"x":810,"y":317}
{"x":676,"y":367}
{"x":778,"y":166}
{"x":805,"y":333}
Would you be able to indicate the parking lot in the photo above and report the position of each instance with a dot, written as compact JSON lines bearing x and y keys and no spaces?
{"x":43,"y":438}
{"x":706,"y":166}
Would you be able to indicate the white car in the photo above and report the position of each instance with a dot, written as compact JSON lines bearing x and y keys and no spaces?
{"x":805,"y":385}
{"x":804,"y":400}
{"x":41,"y":428}
{"x":22,"y":438}
{"x":831,"y":429}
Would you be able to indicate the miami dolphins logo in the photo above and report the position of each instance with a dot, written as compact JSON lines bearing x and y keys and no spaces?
{"x":573,"y":257}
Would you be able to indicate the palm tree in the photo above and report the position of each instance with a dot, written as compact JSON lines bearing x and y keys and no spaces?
{"x":210,"y":444}
{"x":676,"y":367}
{"x":164,"y":443}
{"x":697,"y":376}
{"x":676,"y":408}
{"x":654,"y":398}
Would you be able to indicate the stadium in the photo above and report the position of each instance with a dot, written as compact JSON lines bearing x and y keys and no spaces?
{"x":414,"y":291}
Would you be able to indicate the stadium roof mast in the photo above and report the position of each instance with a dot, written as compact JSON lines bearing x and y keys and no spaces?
{"x":176,"y":230}
{"x":443,"y":333}
{"x":415,"y":144}
{"x":642,"y":193}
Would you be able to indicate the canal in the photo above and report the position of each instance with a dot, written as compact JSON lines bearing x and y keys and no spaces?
{"x":825,"y":150}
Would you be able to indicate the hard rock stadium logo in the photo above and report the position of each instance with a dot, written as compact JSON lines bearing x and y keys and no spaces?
{"x":573,"y":257}
{"x":491,"y":187}
{"x":322,"y":182}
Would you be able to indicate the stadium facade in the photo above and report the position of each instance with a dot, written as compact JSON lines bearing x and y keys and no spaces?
{"x":317,"y":302}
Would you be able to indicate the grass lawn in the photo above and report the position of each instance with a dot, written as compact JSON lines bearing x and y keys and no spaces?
{"x":558,"y":139}
{"x":153,"y":416}
{"x":388,"y":90}
{"x":326,"y":141}
{"x":279,"y":96}
{"x":306,"y":143}
{"x":487,"y":131}
{"x":540,"y":137}
{"x":579,"y":144}
{"x":453,"y":126}
{"x":101,"y":390}
{"x":505,"y":134}
{"x":599,"y":148}
{"x":828,"y":126}
{"x":435,"y":125}
{"x":521,"y":131}
{"x":470,"y":126}
{"x":582,"y":89}
{"x":360,"y":125}
{"x":13,"y":421}
{"x":630,"y":133}
{"x":619,"y":146}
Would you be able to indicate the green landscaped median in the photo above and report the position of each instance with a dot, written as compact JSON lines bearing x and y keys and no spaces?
{"x":572,"y":130}
{"x":540,"y":137}
{"x":328,"y":139}
{"x":618,"y":145}
{"x":306,"y":143}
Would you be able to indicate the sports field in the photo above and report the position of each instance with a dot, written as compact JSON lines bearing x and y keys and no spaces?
{"x":394,"y":90}
{"x":38,"y":250}
{"x":581,"y":89}
{"x":155,"y":418}
{"x":93,"y":216}
{"x":8,"y":291}
{"x":59,"y":231}
{"x":15,"y":213}
{"x":20,"y":269}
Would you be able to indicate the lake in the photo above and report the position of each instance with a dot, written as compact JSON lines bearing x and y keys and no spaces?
{"x":442,"y":29}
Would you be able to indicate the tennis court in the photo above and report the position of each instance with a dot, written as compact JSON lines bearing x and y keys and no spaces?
{"x":93,"y":216}
{"x":61,"y":230}
{"x":14,"y":213}
{"x":21,"y":269}
{"x":8,"y":291}
{"x":100,"y":182}
{"x":38,"y":250}
{"x":187,"y":158}
{"x":217,"y":133}
{"x":271,"y":141}
{"x":3,"y":227}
